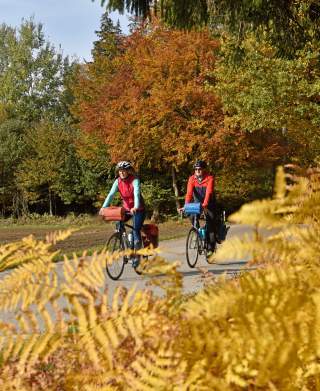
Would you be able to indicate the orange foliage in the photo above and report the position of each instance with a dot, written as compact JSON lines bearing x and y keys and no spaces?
{"x":151,"y":105}
{"x":238,"y":148}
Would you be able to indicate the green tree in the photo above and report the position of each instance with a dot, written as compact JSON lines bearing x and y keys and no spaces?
{"x":109,"y":38}
{"x":265,"y":92}
{"x":39,"y":172}
{"x":33,"y":80}
{"x":84,"y":175}
{"x":12,"y":150}
{"x":62,"y":165}
{"x":32,"y":74}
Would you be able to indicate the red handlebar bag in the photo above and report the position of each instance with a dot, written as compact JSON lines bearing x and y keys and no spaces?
{"x":113,"y":213}
{"x":150,"y":235}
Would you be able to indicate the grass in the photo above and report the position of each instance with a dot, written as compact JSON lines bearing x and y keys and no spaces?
{"x":91,"y":235}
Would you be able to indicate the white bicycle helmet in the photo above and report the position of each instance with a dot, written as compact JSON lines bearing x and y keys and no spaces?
{"x":124,"y":165}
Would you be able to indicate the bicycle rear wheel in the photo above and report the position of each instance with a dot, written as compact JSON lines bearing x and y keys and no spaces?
{"x":192,"y":247}
{"x":115,"y":269}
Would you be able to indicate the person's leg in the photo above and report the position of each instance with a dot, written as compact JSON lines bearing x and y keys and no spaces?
{"x":210,"y":216}
{"x":138,"y":219}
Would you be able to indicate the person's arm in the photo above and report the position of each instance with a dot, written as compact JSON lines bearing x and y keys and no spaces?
{"x":209,"y":191}
{"x":136,"y":193}
{"x":111,"y":194}
{"x":190,"y":188}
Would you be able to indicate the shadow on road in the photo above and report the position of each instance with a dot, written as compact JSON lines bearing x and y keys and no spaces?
{"x":217,"y":269}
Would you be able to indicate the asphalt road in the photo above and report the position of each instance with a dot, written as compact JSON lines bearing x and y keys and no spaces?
{"x":174,"y":250}
{"x":171,"y":250}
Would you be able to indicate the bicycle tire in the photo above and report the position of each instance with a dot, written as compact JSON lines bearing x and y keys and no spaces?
{"x":115,"y":269}
{"x":137,"y":270}
{"x":192,"y":247}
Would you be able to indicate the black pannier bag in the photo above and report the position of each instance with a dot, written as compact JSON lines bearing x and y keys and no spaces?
{"x":222,"y":229}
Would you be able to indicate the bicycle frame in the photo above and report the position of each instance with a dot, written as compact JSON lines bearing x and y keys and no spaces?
{"x":196,"y":224}
{"x":121,"y":228}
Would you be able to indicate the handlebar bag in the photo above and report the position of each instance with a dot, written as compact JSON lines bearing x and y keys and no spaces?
{"x":192,"y":208}
{"x":113,"y":213}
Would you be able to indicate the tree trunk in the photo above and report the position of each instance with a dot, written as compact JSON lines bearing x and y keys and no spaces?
{"x":175,"y":187}
{"x":155,"y":213}
{"x":19,"y":204}
{"x":50,"y":202}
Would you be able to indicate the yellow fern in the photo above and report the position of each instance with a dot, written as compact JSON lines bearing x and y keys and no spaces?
{"x":259,"y":331}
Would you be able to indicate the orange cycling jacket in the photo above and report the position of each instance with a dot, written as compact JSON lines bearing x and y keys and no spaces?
{"x":201,"y":191}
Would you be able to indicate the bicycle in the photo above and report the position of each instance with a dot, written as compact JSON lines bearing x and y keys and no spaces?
{"x":197,"y":241}
{"x":120,"y":241}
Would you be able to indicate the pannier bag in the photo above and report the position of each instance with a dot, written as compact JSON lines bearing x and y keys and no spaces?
{"x":193,"y":208}
{"x":113,"y":213}
{"x":150,"y":235}
{"x":221,"y":227}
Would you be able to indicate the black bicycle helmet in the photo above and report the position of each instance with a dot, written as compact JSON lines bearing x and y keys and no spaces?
{"x":199,"y":164}
{"x":123,"y":165}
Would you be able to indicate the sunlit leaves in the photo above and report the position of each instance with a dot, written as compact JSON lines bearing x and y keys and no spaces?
{"x":153,"y":107}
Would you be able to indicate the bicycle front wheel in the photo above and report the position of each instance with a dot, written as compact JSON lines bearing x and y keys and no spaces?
{"x":115,"y":269}
{"x":192,"y":247}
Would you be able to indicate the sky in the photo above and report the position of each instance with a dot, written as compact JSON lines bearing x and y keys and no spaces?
{"x":66,"y":23}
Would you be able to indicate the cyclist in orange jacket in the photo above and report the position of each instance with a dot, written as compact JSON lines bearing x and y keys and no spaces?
{"x":200,"y":188}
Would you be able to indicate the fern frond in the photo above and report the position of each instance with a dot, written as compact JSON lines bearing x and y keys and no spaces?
{"x":24,"y":285}
{"x":164,"y":275}
{"x":294,"y":244}
{"x":22,"y":252}
{"x":154,"y":371}
{"x":54,"y":237}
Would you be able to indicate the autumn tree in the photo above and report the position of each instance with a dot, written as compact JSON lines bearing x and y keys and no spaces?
{"x":153,"y":107}
{"x":266,"y":74}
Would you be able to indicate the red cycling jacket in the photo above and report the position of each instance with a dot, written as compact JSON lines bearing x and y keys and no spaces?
{"x":126,"y":190}
{"x":201,"y":191}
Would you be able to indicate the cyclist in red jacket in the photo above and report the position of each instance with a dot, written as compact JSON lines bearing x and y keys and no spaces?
{"x":201,"y":189}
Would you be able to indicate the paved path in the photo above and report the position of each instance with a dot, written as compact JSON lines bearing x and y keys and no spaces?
{"x":174,"y":250}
